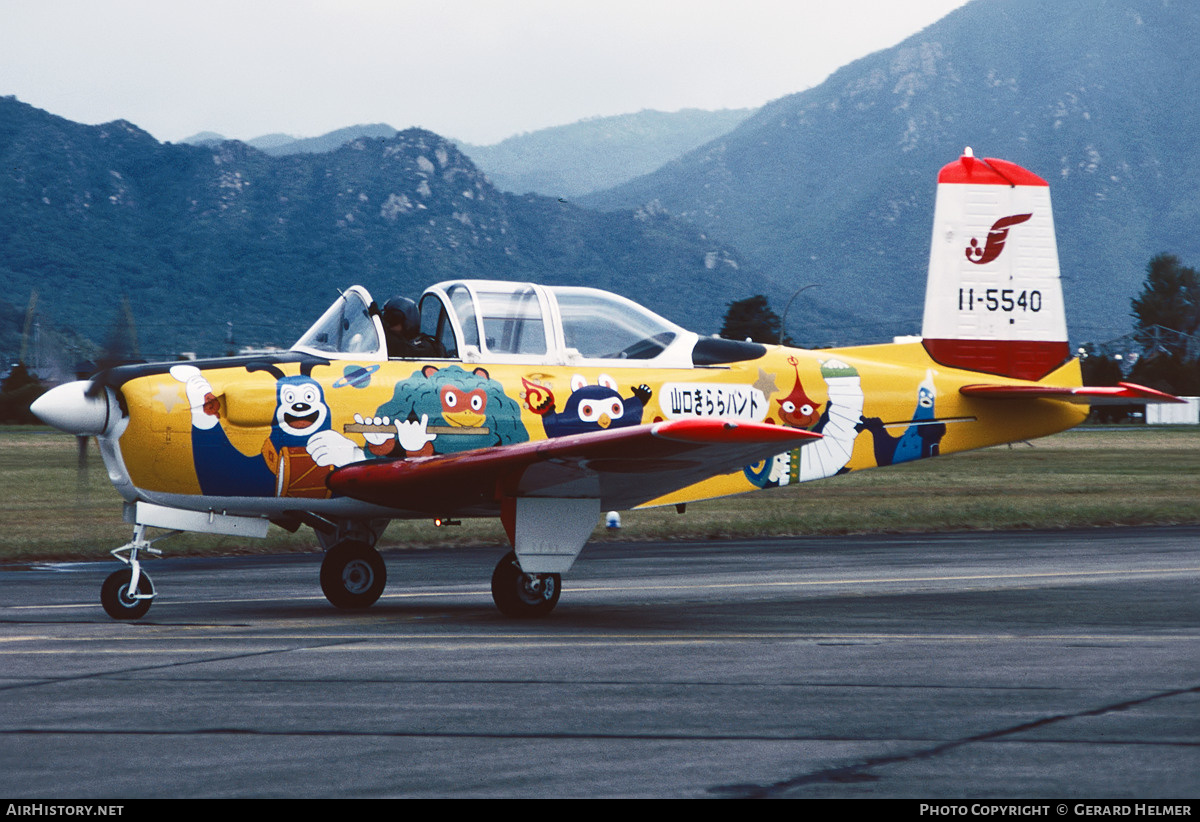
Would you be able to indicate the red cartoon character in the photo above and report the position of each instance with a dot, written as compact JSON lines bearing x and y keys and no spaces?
{"x":797,"y":409}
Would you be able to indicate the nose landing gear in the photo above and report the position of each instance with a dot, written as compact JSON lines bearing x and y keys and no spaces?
{"x":128,"y":592}
{"x":124,"y":599}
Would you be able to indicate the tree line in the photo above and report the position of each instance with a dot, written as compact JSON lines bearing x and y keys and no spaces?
{"x":1164,"y":351}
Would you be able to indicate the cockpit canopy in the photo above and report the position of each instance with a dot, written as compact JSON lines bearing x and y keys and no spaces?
{"x":348,"y":327}
{"x":485,"y":320}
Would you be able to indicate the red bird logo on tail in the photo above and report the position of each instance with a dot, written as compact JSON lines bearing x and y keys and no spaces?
{"x":995,"y":239}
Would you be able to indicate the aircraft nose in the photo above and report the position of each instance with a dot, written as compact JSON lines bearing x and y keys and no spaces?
{"x":68,"y":407}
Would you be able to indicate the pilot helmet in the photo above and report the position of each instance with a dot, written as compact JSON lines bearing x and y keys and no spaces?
{"x":401,"y":313}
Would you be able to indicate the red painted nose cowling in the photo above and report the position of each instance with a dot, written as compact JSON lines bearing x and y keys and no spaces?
{"x":69,"y":407}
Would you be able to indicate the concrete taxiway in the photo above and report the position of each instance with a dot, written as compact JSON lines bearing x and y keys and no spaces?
{"x":1017,"y":665}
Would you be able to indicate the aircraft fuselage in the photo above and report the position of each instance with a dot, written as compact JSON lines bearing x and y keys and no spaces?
{"x":270,"y":446}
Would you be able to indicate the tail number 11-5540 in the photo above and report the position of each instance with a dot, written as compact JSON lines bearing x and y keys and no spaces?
{"x":999,"y":299}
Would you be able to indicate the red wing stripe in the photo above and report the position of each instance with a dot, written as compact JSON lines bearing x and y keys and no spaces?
{"x":725,"y":431}
{"x":1121,"y":394}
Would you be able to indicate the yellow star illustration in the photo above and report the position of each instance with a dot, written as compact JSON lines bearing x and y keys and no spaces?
{"x":766,"y":383}
{"x":169,"y":395}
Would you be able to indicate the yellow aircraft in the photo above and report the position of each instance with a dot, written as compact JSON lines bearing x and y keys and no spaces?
{"x":549,"y":405}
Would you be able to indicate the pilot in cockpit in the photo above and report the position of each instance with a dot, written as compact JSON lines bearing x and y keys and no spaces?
{"x":402,"y":328}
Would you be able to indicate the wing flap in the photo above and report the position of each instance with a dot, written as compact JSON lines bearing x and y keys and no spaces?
{"x":1125,"y":393}
{"x":623,"y":468}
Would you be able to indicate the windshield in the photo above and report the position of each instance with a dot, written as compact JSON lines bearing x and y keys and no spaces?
{"x":604,"y":326}
{"x":346,"y":328}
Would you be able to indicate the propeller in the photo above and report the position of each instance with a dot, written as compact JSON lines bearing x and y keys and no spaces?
{"x":91,"y":405}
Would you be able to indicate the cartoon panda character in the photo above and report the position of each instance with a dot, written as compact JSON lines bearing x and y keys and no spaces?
{"x":592,"y":407}
{"x":295,"y":459}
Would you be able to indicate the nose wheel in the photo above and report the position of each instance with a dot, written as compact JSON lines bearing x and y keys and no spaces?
{"x":352,"y":575}
{"x":518,"y":594}
{"x":127,"y":593}
{"x":121,"y":600}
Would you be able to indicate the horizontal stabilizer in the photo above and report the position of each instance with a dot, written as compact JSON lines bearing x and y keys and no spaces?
{"x":1125,"y":393}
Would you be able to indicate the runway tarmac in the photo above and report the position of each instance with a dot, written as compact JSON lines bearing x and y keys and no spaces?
{"x":999,"y":665}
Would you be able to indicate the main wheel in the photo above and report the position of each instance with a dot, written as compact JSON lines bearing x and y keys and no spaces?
{"x":518,"y":594}
{"x":114,"y":595}
{"x":352,"y":575}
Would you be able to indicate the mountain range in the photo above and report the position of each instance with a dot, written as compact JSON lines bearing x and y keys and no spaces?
{"x":218,"y":246}
{"x":835,"y":185}
{"x":601,"y":152}
{"x":562,"y":161}
{"x":831,"y":187}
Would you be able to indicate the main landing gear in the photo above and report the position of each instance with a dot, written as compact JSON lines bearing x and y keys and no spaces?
{"x":518,"y":594}
{"x":353,"y":574}
{"x":547,"y":533}
{"x":552,"y":531}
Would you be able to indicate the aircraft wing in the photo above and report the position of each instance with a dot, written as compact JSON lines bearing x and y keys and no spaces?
{"x":1125,"y":393}
{"x":623,"y":467}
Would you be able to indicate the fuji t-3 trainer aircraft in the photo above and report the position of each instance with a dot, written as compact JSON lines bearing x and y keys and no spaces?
{"x":554,"y":404}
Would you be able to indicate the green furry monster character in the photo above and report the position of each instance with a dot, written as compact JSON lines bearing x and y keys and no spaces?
{"x":443,"y":411}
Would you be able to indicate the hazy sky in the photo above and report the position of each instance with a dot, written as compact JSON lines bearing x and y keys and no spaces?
{"x":476,"y":70}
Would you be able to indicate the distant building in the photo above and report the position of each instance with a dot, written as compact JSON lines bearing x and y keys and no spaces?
{"x":1174,"y":413}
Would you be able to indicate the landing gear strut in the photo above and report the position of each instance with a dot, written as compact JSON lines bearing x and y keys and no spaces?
{"x":128,"y":592}
{"x":518,"y":594}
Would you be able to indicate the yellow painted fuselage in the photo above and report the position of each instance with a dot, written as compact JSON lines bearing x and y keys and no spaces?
{"x":239,"y":449}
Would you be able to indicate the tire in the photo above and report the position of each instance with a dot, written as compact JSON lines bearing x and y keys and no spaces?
{"x":353,"y":575}
{"x":114,"y":595}
{"x":522,"y":595}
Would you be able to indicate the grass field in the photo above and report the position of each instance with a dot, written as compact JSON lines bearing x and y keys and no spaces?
{"x":1086,"y":477}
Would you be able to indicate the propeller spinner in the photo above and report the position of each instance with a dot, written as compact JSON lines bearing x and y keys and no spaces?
{"x":77,"y":408}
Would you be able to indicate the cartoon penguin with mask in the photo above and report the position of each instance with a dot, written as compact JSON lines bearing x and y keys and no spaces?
{"x":590,"y":407}
{"x":294,"y":460}
{"x":920,"y":440}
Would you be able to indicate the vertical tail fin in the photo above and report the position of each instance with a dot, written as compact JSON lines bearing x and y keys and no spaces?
{"x":994,"y":301}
